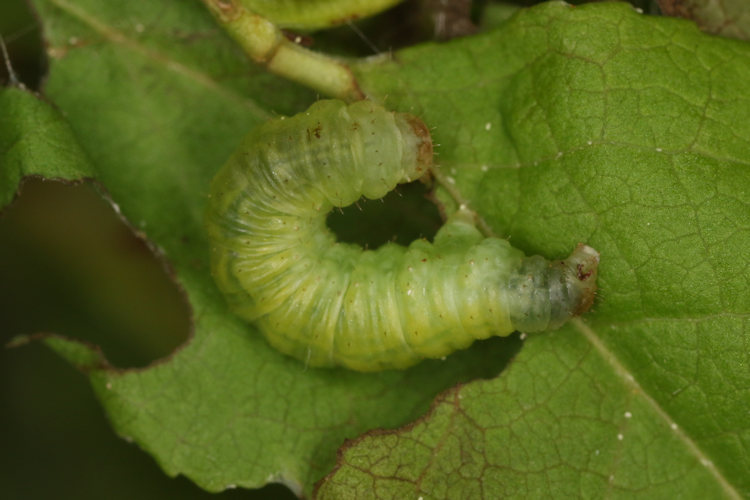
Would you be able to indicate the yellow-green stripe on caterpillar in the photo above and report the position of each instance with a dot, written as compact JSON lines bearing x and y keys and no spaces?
{"x":329,"y":303}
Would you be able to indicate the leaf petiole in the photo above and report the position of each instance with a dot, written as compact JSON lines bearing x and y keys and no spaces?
{"x":264,"y":42}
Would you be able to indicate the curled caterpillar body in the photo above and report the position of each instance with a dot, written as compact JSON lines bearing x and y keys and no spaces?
{"x":331,"y":303}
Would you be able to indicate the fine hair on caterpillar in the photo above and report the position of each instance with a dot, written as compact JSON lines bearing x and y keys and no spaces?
{"x":330,"y":303}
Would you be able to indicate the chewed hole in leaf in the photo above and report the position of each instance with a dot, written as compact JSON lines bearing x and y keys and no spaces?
{"x":402,"y":216}
{"x":70,"y":265}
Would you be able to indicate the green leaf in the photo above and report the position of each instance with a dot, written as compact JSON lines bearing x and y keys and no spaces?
{"x":35,"y":140}
{"x":631,"y":134}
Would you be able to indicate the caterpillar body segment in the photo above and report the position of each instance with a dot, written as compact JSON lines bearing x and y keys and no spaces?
{"x":330,"y":303}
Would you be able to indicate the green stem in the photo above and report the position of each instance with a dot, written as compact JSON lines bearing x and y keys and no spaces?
{"x":266,"y":45}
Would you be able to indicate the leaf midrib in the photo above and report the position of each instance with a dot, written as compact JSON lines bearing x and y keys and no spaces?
{"x":629,"y":380}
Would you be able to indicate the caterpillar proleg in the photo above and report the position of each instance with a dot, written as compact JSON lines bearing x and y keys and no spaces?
{"x":330,"y":303}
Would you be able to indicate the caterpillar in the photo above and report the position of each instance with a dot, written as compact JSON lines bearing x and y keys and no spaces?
{"x":330,"y":303}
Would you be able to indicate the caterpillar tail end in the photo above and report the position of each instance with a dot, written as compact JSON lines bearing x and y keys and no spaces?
{"x":584,"y":264}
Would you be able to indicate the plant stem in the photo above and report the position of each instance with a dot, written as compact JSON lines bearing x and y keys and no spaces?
{"x":266,"y":44}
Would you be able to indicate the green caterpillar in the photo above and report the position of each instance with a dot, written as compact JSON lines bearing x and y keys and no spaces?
{"x":330,"y":303}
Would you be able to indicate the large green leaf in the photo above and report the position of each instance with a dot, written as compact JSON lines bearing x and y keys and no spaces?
{"x":632,"y":134}
{"x":591,"y":124}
